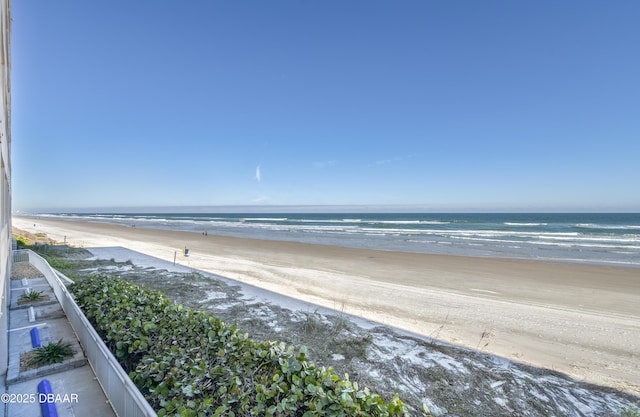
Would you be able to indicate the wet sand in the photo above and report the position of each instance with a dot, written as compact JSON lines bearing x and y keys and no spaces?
{"x":582,"y":320}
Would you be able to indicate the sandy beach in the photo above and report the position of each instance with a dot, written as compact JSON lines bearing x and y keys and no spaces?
{"x":582,"y":320}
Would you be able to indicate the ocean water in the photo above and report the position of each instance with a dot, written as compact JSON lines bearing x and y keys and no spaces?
{"x":602,"y":238}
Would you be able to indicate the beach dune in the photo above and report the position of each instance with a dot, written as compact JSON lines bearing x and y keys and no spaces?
{"x":582,"y":320}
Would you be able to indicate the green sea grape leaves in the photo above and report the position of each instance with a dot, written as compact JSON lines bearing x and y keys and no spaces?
{"x":189,"y":363}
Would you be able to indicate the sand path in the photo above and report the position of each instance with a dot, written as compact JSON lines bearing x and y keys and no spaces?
{"x":582,"y":320}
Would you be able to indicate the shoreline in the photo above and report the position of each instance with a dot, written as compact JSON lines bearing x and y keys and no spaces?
{"x":527,"y":251}
{"x":578,"y":319}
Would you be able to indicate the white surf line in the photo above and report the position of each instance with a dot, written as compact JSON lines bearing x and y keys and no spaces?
{"x":486,"y":291}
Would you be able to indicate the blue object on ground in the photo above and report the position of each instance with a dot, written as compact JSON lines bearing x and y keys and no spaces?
{"x":35,"y":338}
{"x":47,"y":399}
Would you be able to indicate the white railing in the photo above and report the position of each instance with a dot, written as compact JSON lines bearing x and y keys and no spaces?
{"x":124,"y":396}
{"x":21,"y":255}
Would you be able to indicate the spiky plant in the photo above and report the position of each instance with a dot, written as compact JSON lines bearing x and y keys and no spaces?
{"x":32,"y":295}
{"x":54,"y":352}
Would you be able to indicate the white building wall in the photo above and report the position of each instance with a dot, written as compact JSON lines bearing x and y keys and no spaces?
{"x":5,"y":175}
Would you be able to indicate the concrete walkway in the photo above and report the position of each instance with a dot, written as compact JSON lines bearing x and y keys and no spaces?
{"x":76,"y":391}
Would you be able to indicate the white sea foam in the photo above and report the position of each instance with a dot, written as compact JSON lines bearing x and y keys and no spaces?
{"x":608,"y":226}
{"x":408,"y":222}
{"x":524,"y":224}
{"x":265,"y":219}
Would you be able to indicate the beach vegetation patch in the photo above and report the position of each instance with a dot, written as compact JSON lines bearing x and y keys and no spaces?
{"x":46,"y":246}
{"x":630,"y":411}
{"x":22,"y":242}
{"x":192,"y":363}
{"x":60,"y":263}
{"x":74,"y":262}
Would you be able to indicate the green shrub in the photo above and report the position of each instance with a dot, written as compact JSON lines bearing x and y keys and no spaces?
{"x":22,"y":242}
{"x":191,"y":363}
{"x":60,"y":263}
{"x":54,"y":352}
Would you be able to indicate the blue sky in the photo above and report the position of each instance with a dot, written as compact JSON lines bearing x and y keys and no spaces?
{"x":441,"y":105}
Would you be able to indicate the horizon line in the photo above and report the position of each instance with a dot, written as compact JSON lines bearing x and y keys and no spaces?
{"x":322,"y":208}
